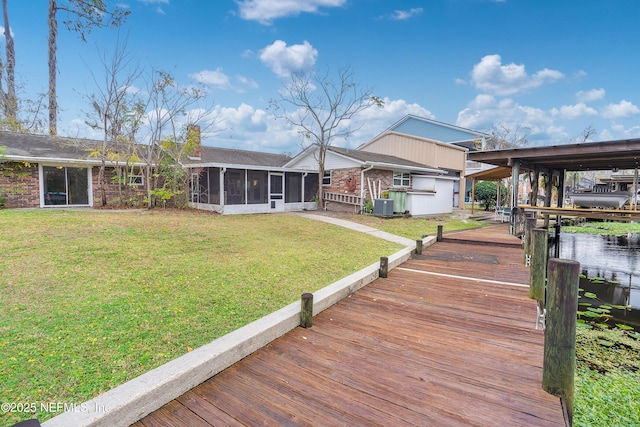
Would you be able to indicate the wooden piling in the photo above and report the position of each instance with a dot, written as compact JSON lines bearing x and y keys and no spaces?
{"x":538,"y":264}
{"x":559,"y":364}
{"x":439,"y":236}
{"x":306,"y":311}
{"x":419,"y":247}
{"x":530,"y":224}
{"x":384,"y":267}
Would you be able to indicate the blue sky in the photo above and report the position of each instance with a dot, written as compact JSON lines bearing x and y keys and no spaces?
{"x":555,"y":67}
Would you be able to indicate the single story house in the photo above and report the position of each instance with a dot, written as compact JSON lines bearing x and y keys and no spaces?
{"x":434,"y":144}
{"x":230,"y":181}
{"x":39,"y":171}
{"x":352,"y":177}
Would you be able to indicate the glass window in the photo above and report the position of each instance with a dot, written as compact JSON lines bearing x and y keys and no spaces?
{"x":257,"y":186}
{"x":310,"y":187}
{"x":401,"y":179}
{"x":234,"y":187}
{"x":276,"y":187}
{"x":214,"y":186}
{"x":65,"y":186}
{"x":293,"y":186}
{"x":326,"y":179}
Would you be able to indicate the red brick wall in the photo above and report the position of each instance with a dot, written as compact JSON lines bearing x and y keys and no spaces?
{"x":23,"y":189}
{"x":340,"y":184}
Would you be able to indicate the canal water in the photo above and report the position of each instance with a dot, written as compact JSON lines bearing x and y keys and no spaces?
{"x":616,"y":259}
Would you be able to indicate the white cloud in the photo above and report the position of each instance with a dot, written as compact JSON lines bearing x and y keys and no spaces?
{"x":402,"y":15}
{"x":248,"y":128}
{"x":590,"y":95}
{"x":485,"y":111}
{"x":216,"y":78}
{"x":621,"y":110}
{"x":490,"y":76}
{"x":265,"y":11}
{"x":285,"y":60}
{"x":219,"y":80}
{"x":574,"y":111}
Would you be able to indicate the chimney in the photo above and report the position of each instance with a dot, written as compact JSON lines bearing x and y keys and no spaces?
{"x":193,"y":135}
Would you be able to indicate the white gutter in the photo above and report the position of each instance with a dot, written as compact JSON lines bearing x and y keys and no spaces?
{"x":62,"y":160}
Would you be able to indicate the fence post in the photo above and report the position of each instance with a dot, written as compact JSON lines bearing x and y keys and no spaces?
{"x":529,"y":225}
{"x":384,"y":267}
{"x":538,"y":264}
{"x":306,"y":311}
{"x":419,"y":247}
{"x":439,"y":236}
{"x":559,"y":364}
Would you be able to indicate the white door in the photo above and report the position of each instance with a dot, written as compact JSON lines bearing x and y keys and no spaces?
{"x":276,"y":191}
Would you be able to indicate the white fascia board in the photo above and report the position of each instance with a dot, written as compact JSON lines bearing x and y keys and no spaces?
{"x":248,"y":167}
{"x":391,"y":166}
{"x":61,"y":160}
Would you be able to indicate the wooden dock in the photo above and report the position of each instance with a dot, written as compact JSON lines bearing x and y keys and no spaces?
{"x":448,"y":339}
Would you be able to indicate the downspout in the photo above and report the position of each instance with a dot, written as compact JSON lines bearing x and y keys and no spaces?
{"x":362,"y":187}
{"x":304,"y":176}
{"x":222,"y":172}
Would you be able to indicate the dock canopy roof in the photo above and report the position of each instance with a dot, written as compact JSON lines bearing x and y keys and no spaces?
{"x":604,"y":155}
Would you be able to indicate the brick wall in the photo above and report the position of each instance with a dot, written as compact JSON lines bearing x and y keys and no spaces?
{"x":21,"y":185}
{"x":340,"y":184}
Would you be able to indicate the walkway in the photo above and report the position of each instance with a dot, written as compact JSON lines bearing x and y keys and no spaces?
{"x":447,"y":339}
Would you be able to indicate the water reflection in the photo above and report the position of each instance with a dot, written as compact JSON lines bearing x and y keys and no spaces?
{"x":613,"y":258}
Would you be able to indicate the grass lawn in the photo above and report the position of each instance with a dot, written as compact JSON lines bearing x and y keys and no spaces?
{"x":95,"y":298}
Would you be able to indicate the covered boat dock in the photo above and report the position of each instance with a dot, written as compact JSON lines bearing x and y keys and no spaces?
{"x":554,"y":162}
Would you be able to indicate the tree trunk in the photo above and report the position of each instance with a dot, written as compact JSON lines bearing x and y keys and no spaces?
{"x":53,"y":36}
{"x":11,"y":105}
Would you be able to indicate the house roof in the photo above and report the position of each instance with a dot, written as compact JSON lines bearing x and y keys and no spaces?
{"x":240,"y":159}
{"x":28,"y":147}
{"x":376,"y":158}
{"x":368,"y":159}
{"x":48,"y":149}
{"x":435,"y":130}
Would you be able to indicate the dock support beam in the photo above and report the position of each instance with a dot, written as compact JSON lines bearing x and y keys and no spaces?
{"x":306,"y":310}
{"x":559,"y":364}
{"x":384,"y":267}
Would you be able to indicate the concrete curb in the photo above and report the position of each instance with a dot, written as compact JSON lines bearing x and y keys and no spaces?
{"x":131,"y":401}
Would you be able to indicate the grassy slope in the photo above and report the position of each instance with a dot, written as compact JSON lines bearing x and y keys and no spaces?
{"x":93,"y":299}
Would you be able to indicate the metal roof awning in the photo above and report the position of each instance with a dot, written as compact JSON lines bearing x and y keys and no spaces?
{"x":492,"y":174}
{"x":604,"y":155}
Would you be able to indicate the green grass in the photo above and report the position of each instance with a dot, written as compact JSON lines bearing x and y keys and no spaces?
{"x":95,"y":298}
{"x":607,"y":388}
{"x":604,"y":228}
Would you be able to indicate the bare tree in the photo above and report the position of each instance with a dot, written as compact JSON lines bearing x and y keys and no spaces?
{"x":10,"y":101}
{"x":322,"y":106}
{"x":81,"y":17}
{"x":505,"y":135}
{"x":167,"y":116}
{"x":111,"y":111}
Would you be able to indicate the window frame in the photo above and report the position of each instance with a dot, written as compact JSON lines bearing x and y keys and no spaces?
{"x":401,"y":179}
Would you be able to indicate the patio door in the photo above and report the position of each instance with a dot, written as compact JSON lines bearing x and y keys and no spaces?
{"x":65,"y":186}
{"x":276,"y":191}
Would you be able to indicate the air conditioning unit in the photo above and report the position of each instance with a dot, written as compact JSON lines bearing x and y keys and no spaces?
{"x":382,"y":207}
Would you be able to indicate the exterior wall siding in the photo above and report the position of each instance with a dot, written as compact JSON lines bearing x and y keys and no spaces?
{"x":23,"y":189}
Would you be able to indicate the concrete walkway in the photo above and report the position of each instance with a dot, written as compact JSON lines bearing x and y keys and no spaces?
{"x":357,"y":227}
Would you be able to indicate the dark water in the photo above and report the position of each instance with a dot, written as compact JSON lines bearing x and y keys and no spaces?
{"x":615,"y":259}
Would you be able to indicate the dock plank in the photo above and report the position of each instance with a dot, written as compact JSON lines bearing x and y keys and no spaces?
{"x":447,"y":339}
